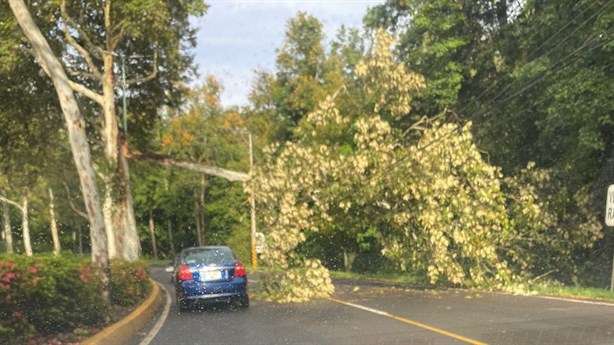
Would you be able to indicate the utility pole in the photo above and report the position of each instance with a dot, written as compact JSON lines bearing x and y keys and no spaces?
{"x":252,"y":197}
{"x":125,"y":107}
{"x":252,"y":201}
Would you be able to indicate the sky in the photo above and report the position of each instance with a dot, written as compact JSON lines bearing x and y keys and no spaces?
{"x":236,"y":37}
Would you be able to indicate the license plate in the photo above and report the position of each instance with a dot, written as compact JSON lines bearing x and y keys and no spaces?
{"x":210,"y":275}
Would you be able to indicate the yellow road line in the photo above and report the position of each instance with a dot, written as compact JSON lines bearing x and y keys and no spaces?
{"x":411,"y":322}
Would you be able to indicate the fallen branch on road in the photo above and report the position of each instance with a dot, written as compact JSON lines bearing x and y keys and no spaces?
{"x":171,"y":161}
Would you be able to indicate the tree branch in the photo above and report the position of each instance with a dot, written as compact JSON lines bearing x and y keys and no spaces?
{"x":117,"y":31}
{"x":74,"y":85}
{"x":152,"y":75}
{"x":71,"y":40}
{"x":11,"y":202}
{"x":77,"y":73}
{"x":107,"y":21}
{"x":73,"y":206}
{"x":207,"y":169}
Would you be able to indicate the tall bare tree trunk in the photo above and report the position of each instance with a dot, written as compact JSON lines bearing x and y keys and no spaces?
{"x":8,"y":233}
{"x":152,"y":233}
{"x":118,"y":208}
{"x":107,"y":211}
{"x":25,"y":226}
{"x":169,"y":227}
{"x":53,"y":224}
{"x":80,"y":239}
{"x":76,"y":134}
{"x":348,"y":260}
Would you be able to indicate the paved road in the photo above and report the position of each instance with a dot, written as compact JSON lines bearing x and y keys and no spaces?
{"x":393,"y":315}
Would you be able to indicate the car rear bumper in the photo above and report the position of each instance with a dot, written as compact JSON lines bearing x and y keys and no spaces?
{"x":214,"y":297}
{"x":192,"y":290}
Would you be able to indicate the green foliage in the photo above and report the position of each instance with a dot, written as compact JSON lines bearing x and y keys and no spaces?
{"x":533,"y":77}
{"x":438,"y":46}
{"x":550,"y":226}
{"x":304,"y":75}
{"x":200,"y":131}
{"x":49,"y":294}
{"x":301,"y":282}
{"x":129,"y":281}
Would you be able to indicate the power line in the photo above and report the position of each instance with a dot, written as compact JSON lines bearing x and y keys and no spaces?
{"x":513,"y":116}
{"x":542,"y":75}
{"x":479,"y":97}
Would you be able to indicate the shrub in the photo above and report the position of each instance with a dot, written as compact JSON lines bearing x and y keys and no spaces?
{"x":130,"y":282}
{"x":47,"y":294}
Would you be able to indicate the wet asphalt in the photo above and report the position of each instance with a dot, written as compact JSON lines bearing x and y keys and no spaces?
{"x":451,"y":316}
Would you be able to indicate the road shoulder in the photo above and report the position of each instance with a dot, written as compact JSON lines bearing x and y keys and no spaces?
{"x":125,"y":329}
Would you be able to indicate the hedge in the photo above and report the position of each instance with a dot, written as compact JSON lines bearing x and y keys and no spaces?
{"x":51,"y":294}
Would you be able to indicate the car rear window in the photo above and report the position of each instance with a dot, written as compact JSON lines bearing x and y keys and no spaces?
{"x":208,"y":256}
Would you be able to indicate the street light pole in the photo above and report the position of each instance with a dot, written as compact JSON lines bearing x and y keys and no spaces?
{"x":252,"y":202}
{"x":125,"y":107}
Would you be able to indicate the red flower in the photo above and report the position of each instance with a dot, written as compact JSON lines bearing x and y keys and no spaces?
{"x":10,"y":265}
{"x":32,"y":270}
{"x":85,"y":273}
{"x":140,"y":274}
{"x":17,"y":314}
{"x":9,"y":277}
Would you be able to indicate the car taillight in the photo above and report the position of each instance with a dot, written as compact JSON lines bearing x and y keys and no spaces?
{"x":239,"y":270}
{"x":184,"y":273}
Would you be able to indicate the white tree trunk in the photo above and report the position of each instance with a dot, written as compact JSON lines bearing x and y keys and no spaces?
{"x":53,"y":224}
{"x":152,"y":233}
{"x":107,"y":211}
{"x":76,"y":133}
{"x":25,"y":226}
{"x":8,"y":233}
{"x":119,"y":212}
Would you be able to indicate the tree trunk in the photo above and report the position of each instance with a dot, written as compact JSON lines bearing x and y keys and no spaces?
{"x":118,"y":212}
{"x":53,"y":225}
{"x":8,"y":233}
{"x":107,"y":211}
{"x":152,"y":233}
{"x":25,"y":226}
{"x":348,"y":260}
{"x":118,"y":208}
{"x":170,"y":236}
{"x":80,"y":239}
{"x":76,"y":133}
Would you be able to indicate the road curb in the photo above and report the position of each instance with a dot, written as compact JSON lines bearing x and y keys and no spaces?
{"x":125,"y":329}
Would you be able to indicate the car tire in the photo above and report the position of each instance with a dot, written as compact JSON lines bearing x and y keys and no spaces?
{"x":182,"y":305}
{"x":243,"y":302}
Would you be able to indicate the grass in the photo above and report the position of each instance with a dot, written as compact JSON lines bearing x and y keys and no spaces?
{"x":575,"y":292}
{"x":404,"y":278}
{"x":157,"y":262}
{"x":578,"y":292}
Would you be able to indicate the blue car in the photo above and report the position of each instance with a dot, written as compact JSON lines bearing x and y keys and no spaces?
{"x":209,"y":274}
